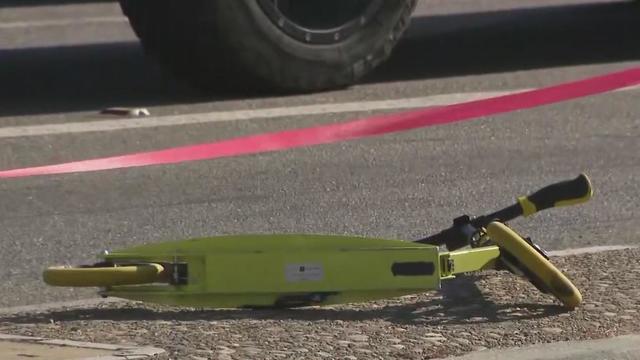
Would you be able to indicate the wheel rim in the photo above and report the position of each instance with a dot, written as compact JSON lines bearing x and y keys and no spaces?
{"x":320,"y":21}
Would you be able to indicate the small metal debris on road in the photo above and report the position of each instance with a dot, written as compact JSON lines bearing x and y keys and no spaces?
{"x":137,"y":112}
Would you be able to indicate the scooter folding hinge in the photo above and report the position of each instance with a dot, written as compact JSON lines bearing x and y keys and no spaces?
{"x":447,"y":266}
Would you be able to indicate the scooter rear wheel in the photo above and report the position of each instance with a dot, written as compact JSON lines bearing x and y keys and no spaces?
{"x":103,"y":275}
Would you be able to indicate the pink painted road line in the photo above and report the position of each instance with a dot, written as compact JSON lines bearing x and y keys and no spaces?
{"x":351,"y":130}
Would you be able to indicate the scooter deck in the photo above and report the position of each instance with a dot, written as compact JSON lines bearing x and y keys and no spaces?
{"x":282,"y":270}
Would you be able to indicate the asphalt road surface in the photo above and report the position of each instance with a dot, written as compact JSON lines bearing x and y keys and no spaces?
{"x":63,"y":62}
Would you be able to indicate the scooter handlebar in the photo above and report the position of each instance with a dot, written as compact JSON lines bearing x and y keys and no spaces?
{"x":564,"y":193}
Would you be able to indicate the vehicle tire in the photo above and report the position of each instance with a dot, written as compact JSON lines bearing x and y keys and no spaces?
{"x":102,"y":276}
{"x":269,"y":44}
{"x":540,"y":270}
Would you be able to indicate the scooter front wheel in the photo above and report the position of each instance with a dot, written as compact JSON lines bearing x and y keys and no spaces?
{"x":103,"y":275}
{"x":540,"y":270}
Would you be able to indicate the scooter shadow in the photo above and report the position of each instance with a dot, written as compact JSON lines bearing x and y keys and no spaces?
{"x":459,"y":302}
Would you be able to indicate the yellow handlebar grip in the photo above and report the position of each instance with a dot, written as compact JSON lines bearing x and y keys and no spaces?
{"x":565,"y":193}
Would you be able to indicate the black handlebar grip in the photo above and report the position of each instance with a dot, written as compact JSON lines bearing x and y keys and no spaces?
{"x":570,"y":192}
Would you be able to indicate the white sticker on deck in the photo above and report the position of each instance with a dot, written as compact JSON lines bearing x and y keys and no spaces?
{"x":303,"y":272}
